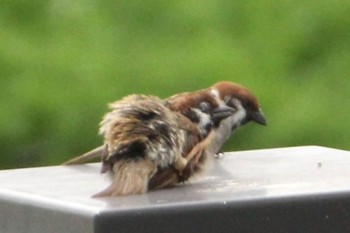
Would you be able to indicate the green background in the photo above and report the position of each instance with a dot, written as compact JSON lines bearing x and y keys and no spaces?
{"x":62,"y":61}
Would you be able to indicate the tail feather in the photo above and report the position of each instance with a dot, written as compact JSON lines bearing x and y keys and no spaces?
{"x":97,"y":152}
{"x":130,"y":177}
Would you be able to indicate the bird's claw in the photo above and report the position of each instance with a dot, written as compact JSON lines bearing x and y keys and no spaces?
{"x":180,"y":164}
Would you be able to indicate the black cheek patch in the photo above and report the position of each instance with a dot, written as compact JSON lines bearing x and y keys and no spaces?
{"x":208,"y":128}
{"x":190,"y":114}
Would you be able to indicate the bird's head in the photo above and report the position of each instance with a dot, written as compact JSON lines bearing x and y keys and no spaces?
{"x":246,"y":105}
{"x":201,"y":108}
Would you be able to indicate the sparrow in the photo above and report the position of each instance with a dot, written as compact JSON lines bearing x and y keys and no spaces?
{"x":247,"y":110}
{"x":142,"y":135}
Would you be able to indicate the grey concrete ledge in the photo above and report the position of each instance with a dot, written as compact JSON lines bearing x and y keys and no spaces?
{"x":298,"y":189}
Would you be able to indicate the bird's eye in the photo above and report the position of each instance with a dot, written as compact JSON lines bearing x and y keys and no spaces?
{"x":205,"y":107}
{"x":247,"y":104}
{"x":232,"y":102}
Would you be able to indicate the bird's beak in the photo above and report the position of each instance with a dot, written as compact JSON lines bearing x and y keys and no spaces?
{"x":258,"y":117}
{"x":221,"y":113}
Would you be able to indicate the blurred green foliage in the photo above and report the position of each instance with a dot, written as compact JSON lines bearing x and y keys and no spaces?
{"x":62,"y":61}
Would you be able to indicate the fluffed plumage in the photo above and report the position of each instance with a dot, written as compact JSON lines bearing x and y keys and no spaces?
{"x":143,"y":136}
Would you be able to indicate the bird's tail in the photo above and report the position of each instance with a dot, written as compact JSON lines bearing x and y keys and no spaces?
{"x":129,"y":177}
{"x":97,"y":152}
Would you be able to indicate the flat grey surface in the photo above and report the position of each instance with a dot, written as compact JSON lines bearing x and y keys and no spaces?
{"x":58,"y":199}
